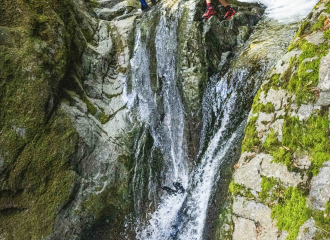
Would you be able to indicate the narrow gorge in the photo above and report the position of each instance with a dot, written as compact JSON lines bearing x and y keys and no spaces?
{"x":159,"y":125}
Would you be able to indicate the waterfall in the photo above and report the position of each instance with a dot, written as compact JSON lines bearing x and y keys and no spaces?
{"x":226,"y":103}
{"x":287,"y":11}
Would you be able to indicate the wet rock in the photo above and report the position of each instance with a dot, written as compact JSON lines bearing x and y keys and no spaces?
{"x":320,"y":188}
{"x":307,"y":230}
{"x":119,"y":9}
{"x":243,"y":35}
{"x":245,"y":229}
{"x":104,"y":39}
{"x":250,"y":172}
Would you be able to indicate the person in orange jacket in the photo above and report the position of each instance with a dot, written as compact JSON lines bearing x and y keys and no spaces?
{"x":210,"y":9}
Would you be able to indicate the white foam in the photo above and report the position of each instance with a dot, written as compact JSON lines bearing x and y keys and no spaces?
{"x":287,"y":11}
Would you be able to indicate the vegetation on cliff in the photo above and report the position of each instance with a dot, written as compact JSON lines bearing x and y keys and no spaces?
{"x":39,"y":42}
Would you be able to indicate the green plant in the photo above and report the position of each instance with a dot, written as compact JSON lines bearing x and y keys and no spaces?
{"x":239,"y":189}
{"x":291,"y":212}
{"x":251,"y":138}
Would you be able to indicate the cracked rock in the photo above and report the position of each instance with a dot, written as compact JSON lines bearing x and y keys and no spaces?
{"x":258,"y":213}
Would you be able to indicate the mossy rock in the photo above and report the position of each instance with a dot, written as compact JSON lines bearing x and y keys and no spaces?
{"x":38,"y":141}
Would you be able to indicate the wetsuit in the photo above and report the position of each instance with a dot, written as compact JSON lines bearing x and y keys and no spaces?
{"x":144,"y":5}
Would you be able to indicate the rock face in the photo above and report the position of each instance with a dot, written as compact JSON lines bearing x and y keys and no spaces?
{"x":64,"y":156}
{"x":86,"y":137}
{"x":284,"y":166}
{"x":71,"y":142}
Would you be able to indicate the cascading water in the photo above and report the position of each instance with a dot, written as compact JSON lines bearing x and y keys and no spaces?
{"x":167,"y":131}
{"x":226,"y":103}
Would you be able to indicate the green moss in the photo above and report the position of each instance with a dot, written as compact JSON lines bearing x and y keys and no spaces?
{"x":328,"y":7}
{"x":266,"y":108}
{"x":255,"y":105}
{"x":322,"y":223}
{"x":275,"y":148}
{"x":304,"y":25}
{"x":266,"y":185}
{"x":239,"y":189}
{"x":41,"y":178}
{"x":310,"y":135}
{"x":272,"y":190}
{"x":302,"y":77}
{"x":327,"y":34}
{"x":91,"y":108}
{"x":251,"y":138}
{"x":112,"y":95}
{"x":291,"y":213}
{"x":327,"y":209}
{"x":319,"y":23}
{"x":103,"y":118}
{"x":35,"y":56}
{"x":273,"y":83}
{"x":94,"y":3}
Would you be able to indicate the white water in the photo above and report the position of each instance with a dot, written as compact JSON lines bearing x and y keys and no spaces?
{"x":287,"y":11}
{"x":188,"y":212}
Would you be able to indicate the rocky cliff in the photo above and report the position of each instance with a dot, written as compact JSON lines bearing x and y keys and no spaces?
{"x":101,"y":106}
{"x":281,"y":186}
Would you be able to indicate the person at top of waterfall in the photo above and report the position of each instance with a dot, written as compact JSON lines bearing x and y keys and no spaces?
{"x":144,"y":5}
{"x":210,"y":9}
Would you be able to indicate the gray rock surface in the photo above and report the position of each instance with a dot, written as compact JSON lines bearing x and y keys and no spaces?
{"x":279,"y":171}
{"x":251,"y":167}
{"x":277,"y":126}
{"x":316,"y":38}
{"x":320,"y":188}
{"x":248,"y":173}
{"x":307,"y":230}
{"x":263,"y":124}
{"x":283,"y":65}
{"x":303,"y":162}
{"x":260,"y":215}
{"x":324,"y":73}
{"x":278,"y":97}
{"x":305,"y":111}
{"x":245,"y":229}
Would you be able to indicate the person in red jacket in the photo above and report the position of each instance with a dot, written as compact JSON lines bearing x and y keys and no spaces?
{"x":210,"y":9}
